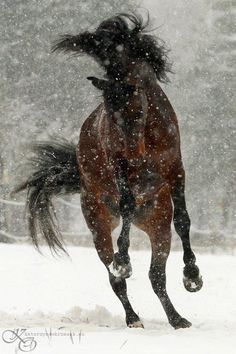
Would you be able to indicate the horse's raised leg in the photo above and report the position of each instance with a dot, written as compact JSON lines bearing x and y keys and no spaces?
{"x":192,"y":278}
{"x":121,"y":265}
{"x":156,"y":222}
{"x":101,"y":224}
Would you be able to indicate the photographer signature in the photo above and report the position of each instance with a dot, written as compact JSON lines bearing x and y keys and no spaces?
{"x":27,"y":344}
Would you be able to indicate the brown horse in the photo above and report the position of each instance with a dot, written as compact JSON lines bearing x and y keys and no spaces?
{"x":127,"y":163}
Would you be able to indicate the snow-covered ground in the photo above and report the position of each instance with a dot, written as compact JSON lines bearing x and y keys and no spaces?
{"x":73,"y":298}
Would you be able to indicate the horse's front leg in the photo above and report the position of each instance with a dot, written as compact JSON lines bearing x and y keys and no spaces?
{"x":101,"y":223}
{"x":121,"y":265}
{"x":192,"y":278}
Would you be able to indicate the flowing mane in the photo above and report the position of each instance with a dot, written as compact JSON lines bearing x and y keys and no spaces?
{"x":123,"y":31}
{"x":146,"y":47}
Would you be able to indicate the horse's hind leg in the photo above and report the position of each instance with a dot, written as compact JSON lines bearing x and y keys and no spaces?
{"x":192,"y":278}
{"x":120,"y":289}
{"x":100,"y":222}
{"x":156,"y":223}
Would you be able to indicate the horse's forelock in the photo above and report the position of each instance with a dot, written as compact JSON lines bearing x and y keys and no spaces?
{"x":123,"y":23}
{"x":114,"y":25}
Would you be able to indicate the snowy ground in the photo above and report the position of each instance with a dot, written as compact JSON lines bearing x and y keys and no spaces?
{"x":73,"y":298}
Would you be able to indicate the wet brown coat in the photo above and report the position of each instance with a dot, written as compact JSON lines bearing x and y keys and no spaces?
{"x":101,"y":143}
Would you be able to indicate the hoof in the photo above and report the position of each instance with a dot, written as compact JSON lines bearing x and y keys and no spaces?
{"x":137,"y":324}
{"x":193,"y":285}
{"x":119,"y":268}
{"x":192,"y":279}
{"x":180,"y":323}
{"x":121,"y":271}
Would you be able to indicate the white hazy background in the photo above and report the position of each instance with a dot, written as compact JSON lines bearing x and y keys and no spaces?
{"x":42,"y":95}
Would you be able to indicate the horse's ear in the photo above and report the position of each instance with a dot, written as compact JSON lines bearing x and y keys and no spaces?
{"x":98,"y":83}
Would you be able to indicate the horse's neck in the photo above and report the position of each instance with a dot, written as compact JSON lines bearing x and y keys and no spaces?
{"x":141,"y":74}
{"x":145,"y":76}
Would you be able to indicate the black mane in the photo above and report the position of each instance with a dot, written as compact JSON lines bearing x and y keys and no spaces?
{"x":121,"y":32}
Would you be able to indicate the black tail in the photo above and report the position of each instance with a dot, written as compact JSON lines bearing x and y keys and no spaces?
{"x":54,"y":172}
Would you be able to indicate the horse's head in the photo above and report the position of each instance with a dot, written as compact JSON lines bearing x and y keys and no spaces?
{"x":117,"y":42}
{"x":127,"y":111}
{"x":114,"y":41}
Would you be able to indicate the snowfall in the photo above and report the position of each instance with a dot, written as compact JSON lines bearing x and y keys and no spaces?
{"x":66,"y":305}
